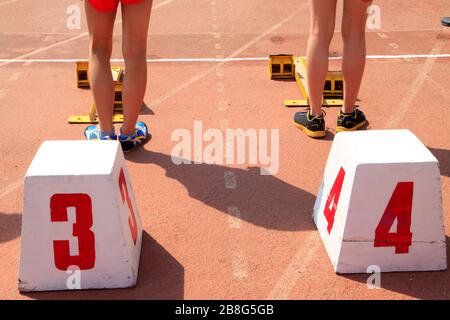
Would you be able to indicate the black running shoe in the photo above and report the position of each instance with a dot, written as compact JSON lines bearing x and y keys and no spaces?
{"x":313,"y":127}
{"x":350,"y":121}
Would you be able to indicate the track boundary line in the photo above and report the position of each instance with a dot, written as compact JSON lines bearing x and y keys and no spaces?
{"x":79,"y":36}
{"x":10,"y":188}
{"x":297,"y":266}
{"x":400,"y":112}
{"x":232,"y":59}
{"x":203,"y":74}
{"x":7,"y":2}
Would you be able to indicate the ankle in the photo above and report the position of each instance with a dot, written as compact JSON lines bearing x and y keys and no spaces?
{"x":126,"y":132}
{"x":346,"y":109}
{"x":110,"y":131}
{"x":315,"y":113}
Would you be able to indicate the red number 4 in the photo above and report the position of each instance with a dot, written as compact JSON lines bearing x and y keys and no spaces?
{"x":333,"y":199}
{"x":399,"y":206}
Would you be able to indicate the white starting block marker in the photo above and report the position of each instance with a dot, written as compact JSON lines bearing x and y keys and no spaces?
{"x":81,"y":227}
{"x":380,"y":204}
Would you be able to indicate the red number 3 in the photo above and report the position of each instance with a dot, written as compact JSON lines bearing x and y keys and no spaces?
{"x":132,"y":223}
{"x":85,"y":259}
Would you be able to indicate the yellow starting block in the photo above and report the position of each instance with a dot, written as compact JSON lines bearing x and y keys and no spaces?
{"x":82,"y":74}
{"x":93,"y":118}
{"x":82,"y":68}
{"x":281,"y":66}
{"x":305,"y":103}
{"x":334,"y":84}
{"x":83,"y":82}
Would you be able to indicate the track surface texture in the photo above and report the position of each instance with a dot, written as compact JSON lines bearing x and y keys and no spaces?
{"x":222,"y":231}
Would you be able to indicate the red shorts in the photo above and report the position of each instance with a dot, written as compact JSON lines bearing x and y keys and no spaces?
{"x":110,"y":5}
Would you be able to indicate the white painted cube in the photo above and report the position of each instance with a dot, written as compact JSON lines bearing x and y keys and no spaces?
{"x":81,"y":227}
{"x":388,"y":213}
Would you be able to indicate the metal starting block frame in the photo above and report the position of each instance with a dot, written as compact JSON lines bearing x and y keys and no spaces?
{"x":289,"y":67}
{"x":83,"y":82}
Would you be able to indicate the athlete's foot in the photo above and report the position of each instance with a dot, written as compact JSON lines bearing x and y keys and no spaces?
{"x":131,"y":142}
{"x":312,"y":126}
{"x":94,"y":133}
{"x":350,"y":121}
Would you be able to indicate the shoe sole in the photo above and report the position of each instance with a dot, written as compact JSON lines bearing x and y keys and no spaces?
{"x":309,"y":133}
{"x":358,"y":126}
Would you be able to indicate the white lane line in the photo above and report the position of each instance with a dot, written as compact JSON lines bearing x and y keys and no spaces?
{"x":232,"y":58}
{"x":234,"y":218}
{"x":220,"y":87}
{"x":222,"y":105}
{"x":38,"y":33}
{"x":10,"y":188}
{"x":15,"y":76}
{"x":193,"y":79}
{"x":203,"y":74}
{"x":393,"y":45}
{"x":240,"y":266}
{"x":4,"y":62}
{"x":162,"y":4}
{"x":3,"y":92}
{"x":298,"y":265}
{"x":224,"y":124}
{"x":23,"y":57}
{"x":399,"y":112}
{"x":7,"y":2}
{"x":382,"y":35}
{"x":230,"y":180}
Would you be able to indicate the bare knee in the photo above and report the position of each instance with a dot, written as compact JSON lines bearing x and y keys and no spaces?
{"x":353,"y":36}
{"x":321,"y":37}
{"x":101,"y":50}
{"x":134,"y":53}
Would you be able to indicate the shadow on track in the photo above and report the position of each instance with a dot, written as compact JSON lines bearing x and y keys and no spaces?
{"x":265,"y":201}
{"x":161,"y":277}
{"x":10,"y":226}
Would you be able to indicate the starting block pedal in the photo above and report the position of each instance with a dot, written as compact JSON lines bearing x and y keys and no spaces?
{"x":81,"y":227}
{"x":82,"y":68}
{"x":82,"y":74}
{"x":92,"y":116}
{"x":281,"y":66}
{"x":291,"y":67}
{"x":83,"y":82}
{"x":334,"y":82}
{"x":380,"y":204}
{"x":305,"y":103}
